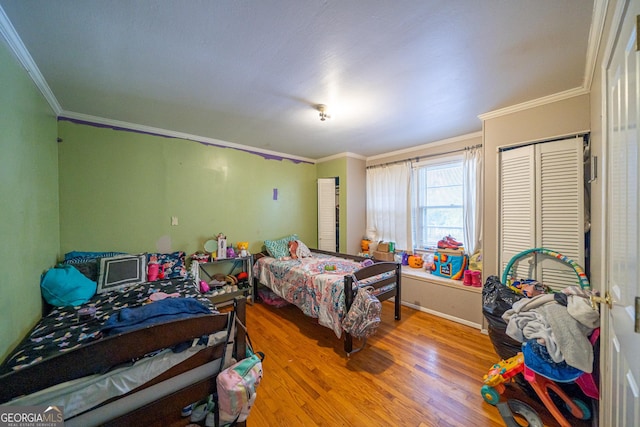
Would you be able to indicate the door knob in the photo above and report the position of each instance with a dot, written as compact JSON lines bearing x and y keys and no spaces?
{"x":596,"y":299}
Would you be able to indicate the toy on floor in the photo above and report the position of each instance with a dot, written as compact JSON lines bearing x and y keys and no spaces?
{"x":500,"y":373}
{"x":507,"y":409}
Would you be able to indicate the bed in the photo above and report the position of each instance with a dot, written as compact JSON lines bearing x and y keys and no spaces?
{"x":148,"y":372}
{"x":324,"y":285}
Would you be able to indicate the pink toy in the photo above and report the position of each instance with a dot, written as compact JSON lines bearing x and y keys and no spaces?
{"x":152,"y":272}
{"x":204,"y":287}
{"x":157,"y":296}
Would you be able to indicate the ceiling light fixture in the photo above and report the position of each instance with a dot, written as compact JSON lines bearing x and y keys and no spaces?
{"x":323,"y":112}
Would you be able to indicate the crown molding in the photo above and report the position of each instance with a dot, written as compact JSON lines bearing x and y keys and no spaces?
{"x":535,"y":103}
{"x":24,"y":57}
{"x":429,"y":145}
{"x":341,"y":155}
{"x":149,"y":130}
{"x":595,"y":38}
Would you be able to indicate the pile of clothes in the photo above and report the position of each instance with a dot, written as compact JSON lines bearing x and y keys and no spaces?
{"x":555,"y":329}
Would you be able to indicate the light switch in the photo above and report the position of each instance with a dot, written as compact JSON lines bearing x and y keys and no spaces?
{"x":637,"y":327}
{"x":174,"y":220}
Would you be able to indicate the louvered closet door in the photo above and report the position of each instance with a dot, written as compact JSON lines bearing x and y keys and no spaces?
{"x":327,"y":214}
{"x":560,"y":210}
{"x":517,"y":205}
{"x":542,"y":205}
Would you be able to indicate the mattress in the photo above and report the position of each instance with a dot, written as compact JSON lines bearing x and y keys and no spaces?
{"x":62,"y":329}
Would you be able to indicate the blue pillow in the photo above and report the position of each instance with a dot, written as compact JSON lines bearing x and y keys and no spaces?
{"x":76,"y":257}
{"x":279,"y":248}
{"x":65,"y":286}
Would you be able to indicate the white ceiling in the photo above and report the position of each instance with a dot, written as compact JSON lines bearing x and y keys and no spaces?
{"x":395,"y":74}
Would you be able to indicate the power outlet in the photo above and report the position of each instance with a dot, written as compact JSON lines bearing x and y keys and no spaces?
{"x":174,"y":220}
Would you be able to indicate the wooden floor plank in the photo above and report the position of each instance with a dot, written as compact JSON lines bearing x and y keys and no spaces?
{"x":420,"y":371}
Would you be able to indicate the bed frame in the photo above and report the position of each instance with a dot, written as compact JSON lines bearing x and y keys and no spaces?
{"x":377,"y":268}
{"x":103,"y":354}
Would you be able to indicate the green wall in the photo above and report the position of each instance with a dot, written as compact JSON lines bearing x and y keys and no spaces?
{"x":119,"y":190}
{"x":29,"y":194}
{"x":338,"y":168}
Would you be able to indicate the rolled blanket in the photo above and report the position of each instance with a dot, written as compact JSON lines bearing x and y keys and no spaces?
{"x":128,"y":319}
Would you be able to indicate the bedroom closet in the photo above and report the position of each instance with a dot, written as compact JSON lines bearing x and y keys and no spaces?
{"x":543,"y":203}
{"x":329,"y":214}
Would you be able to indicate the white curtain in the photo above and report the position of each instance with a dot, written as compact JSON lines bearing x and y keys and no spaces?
{"x":388,"y":204}
{"x":471,"y":189}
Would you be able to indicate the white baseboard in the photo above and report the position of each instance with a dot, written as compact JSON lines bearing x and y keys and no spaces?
{"x":444,"y":316}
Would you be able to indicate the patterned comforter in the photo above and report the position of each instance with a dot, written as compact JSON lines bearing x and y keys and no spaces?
{"x":315,"y":285}
{"x":62,"y":330}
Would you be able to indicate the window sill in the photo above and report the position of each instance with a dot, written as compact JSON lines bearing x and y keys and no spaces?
{"x":421,"y":274}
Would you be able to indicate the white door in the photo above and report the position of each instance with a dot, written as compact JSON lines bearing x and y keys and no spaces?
{"x":620,"y":404}
{"x":560,"y":209}
{"x":327,"y":214}
{"x":517,"y":206}
{"x":542,"y":205}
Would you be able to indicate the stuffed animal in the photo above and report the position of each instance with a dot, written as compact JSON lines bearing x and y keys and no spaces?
{"x":243,"y":248}
{"x":293,"y":249}
{"x":230,"y":252}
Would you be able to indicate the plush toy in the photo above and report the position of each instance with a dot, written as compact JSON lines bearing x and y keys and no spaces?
{"x":204,"y":287}
{"x":293,"y":249}
{"x":243,"y":248}
{"x":230,"y":252}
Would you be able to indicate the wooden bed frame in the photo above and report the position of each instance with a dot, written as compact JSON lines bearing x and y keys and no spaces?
{"x":377,"y":268}
{"x":103,"y":354}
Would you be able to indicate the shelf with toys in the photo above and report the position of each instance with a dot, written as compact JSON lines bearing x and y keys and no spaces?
{"x":224,"y":275}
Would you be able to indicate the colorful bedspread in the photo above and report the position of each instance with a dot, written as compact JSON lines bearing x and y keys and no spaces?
{"x":62,"y":330}
{"x":315,"y":285}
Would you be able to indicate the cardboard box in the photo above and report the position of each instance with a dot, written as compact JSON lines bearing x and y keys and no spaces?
{"x":454,"y":252}
{"x":383,"y":247}
{"x":383,"y":256}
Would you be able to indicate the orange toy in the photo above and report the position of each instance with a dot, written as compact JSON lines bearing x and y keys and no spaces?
{"x":415,"y":261}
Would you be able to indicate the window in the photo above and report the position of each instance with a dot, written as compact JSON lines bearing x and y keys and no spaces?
{"x":439,"y":207}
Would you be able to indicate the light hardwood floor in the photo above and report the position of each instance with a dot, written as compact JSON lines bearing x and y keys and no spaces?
{"x":420,"y":371}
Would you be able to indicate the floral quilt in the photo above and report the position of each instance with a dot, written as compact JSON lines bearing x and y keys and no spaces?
{"x":63,"y":329}
{"x":315,"y":285}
